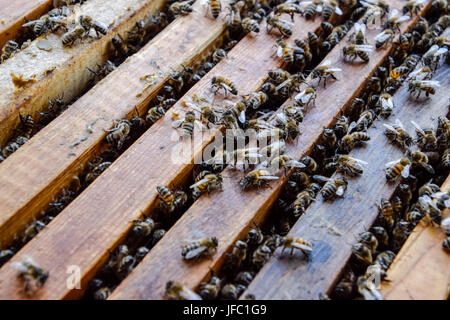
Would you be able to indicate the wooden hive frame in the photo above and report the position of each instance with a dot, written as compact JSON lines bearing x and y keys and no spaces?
{"x":101,"y":216}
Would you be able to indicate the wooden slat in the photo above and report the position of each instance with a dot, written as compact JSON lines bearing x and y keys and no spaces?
{"x":421,"y":269}
{"x":95,"y":222}
{"x":13,"y":14}
{"x":63,"y":71}
{"x":228,"y":214}
{"x":333,"y":227}
{"x":43,"y":166}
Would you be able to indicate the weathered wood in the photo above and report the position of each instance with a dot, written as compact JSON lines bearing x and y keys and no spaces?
{"x":43,"y":166}
{"x":228,"y":215}
{"x":15,"y":13}
{"x":333,"y":227}
{"x":63,"y":71}
{"x":96,"y":221}
{"x":421,"y":269}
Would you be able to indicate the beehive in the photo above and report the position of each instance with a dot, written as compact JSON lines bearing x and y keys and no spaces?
{"x":85,"y":231}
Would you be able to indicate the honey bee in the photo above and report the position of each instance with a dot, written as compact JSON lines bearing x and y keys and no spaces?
{"x":344,"y":288}
{"x":102,"y":293}
{"x":310,"y":163}
{"x":273,"y":149}
{"x":330,"y":7}
{"x":291,"y":84}
{"x":255,"y":236}
{"x":9,"y":49}
{"x":210,"y":290}
{"x":419,"y":86}
{"x":206,"y":184}
{"x":250,"y":25}
{"x":244,"y":278}
{"x":32,"y":230}
{"x":45,"y":24}
{"x":186,"y":126}
{"x":261,"y":255}
{"x":413,"y":7}
{"x":305,"y":97}
{"x":285,"y":51}
{"x":290,"y":8}
{"x":432,"y":57}
{"x":166,"y":197}
{"x":73,"y":35}
{"x":421,"y":159}
{"x":256,"y":99}
{"x":362,"y":254}
{"x":355,"y":50}
{"x":347,"y":164}
{"x":424,"y":73}
{"x":394,"y":20}
{"x":177,"y":291}
{"x":382,"y":236}
{"x":284,"y":161}
{"x":34,"y":277}
{"x":367,"y":288}
{"x":119,"y":133}
{"x":203,"y":247}
{"x":256,"y":178}
{"x":324,"y":71}
{"x":398,"y":167}
{"x":231,"y":291}
{"x":279,"y":75}
{"x":97,"y":171}
{"x":157,"y":235}
{"x":426,"y":138}
{"x":400,"y":234}
{"x":386,"y":104}
{"x":302,"y":202}
{"x":154,"y":114}
{"x":87,"y":22}
{"x":351,"y":140}
{"x":143,"y":227}
{"x":443,"y":128}
{"x":329,"y":138}
{"x":284,"y":27}
{"x":333,"y":187}
{"x":312,"y":8}
{"x":397,"y":134}
{"x":214,"y":6}
{"x":359,"y":34}
{"x":292,"y":243}
{"x":235,"y":16}
{"x":181,"y":8}
{"x":306,"y":49}
{"x":238,"y":254}
{"x":219,"y":82}
{"x":293,"y":112}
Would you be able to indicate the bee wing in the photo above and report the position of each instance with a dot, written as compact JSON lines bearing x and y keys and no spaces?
{"x":279,"y":51}
{"x":241,"y":117}
{"x":364,"y":47}
{"x":269,"y":177}
{"x":319,"y":8}
{"x":387,"y":103}
{"x":394,"y":13}
{"x":19,"y":266}
{"x":358,"y":160}
{"x":177,"y":123}
{"x":418,"y":128}
{"x":441,"y":51}
{"x":326,"y":63}
{"x":320,"y":178}
{"x":200,"y":125}
{"x":391,"y":163}
{"x":195,"y":253}
{"x":30,"y":23}
{"x":303,"y":247}
{"x":199,"y":183}
{"x":338,"y":11}
{"x":432,"y":83}
{"x":340,"y":191}
{"x":405,"y":171}
{"x":334,"y":70}
{"x":300,"y":96}
{"x":390,"y":128}
{"x":188,"y":294}
{"x":382,"y":36}
{"x":295,"y":164}
{"x":446,"y":222}
{"x":399,"y":123}
{"x":363,"y":28}
{"x":403,"y":18}
{"x":283,"y":84}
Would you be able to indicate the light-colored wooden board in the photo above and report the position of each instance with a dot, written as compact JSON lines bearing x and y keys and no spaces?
{"x":421,"y":270}
{"x":95,"y":222}
{"x":63,"y":71}
{"x":36,"y":172}
{"x":228,"y":215}
{"x":333,"y":227}
{"x":13,"y":14}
